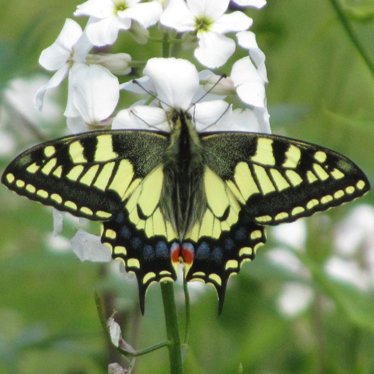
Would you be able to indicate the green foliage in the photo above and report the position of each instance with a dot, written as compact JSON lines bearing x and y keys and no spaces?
{"x":320,"y":91}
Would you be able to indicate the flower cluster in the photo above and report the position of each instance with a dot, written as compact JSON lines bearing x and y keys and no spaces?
{"x":207,"y":27}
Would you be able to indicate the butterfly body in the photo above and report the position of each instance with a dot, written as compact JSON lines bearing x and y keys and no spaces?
{"x":200,"y":199}
{"x":183,"y":200}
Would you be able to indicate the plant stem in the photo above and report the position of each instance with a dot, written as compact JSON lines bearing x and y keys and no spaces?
{"x":187,"y":309}
{"x":351,"y":34}
{"x":172,"y":328}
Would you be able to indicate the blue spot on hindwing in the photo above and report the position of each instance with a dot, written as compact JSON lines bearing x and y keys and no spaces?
{"x":202,"y":252}
{"x":136,"y":243}
{"x":125,"y":232}
{"x":241,"y":234}
{"x":148,"y":253}
{"x":229,"y":244}
{"x":120,"y":218}
{"x":162,"y":250}
{"x":217,"y":255}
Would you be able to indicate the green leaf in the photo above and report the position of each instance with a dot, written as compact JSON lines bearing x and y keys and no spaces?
{"x":361,"y":10}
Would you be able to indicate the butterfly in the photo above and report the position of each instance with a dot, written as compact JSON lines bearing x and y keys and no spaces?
{"x":200,"y":199}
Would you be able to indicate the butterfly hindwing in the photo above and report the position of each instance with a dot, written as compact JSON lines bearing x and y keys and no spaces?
{"x":279,"y":179}
{"x":224,"y":238}
{"x":141,"y":236}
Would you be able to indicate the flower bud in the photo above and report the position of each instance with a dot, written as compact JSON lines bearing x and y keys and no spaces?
{"x":117,"y":63}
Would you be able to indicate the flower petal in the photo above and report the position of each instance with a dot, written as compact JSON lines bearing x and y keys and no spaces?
{"x":249,"y":85}
{"x":105,"y":31}
{"x":214,"y":49}
{"x":210,"y":8}
{"x":263,"y":118}
{"x":215,"y":83}
{"x":141,"y":118}
{"x":95,"y":8}
{"x":88,"y":247}
{"x":56,"y":55}
{"x":140,"y":86}
{"x":76,"y":125}
{"x":248,"y":120}
{"x":208,"y":115}
{"x":147,"y":14}
{"x":94,"y":92}
{"x":255,"y":3}
{"x":236,"y":21}
{"x":294,"y":299}
{"x":178,"y":16}
{"x":175,"y":81}
{"x":115,"y":332}
{"x":116,"y":63}
{"x":247,"y":39}
{"x":55,"y":80}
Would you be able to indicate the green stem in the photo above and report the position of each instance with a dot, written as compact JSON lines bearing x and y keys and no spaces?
{"x":165,"y":45}
{"x":351,"y":34}
{"x":172,"y":328}
{"x":144,"y":351}
{"x":187,"y":309}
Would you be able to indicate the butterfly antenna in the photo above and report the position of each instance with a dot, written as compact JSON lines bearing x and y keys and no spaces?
{"x":215,"y":122}
{"x":143,"y":120}
{"x":210,"y":89}
{"x":150,"y":93}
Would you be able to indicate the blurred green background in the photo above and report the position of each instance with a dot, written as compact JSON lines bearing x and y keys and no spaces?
{"x":320,"y":91}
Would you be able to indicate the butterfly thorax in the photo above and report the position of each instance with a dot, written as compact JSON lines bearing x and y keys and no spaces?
{"x":183,"y":200}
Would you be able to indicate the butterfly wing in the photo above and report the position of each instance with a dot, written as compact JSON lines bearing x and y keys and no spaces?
{"x":279,"y":179}
{"x":115,"y":177}
{"x":255,"y":179}
{"x":223,"y":239}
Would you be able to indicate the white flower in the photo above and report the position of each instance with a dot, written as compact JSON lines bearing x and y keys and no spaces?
{"x":175,"y":83}
{"x":254,"y":120}
{"x":174,"y":80}
{"x":71,"y":47}
{"x":115,"y":368}
{"x":108,"y":17}
{"x":294,"y":299}
{"x":115,"y":332}
{"x":354,"y":242}
{"x":207,"y":19}
{"x":249,"y":85}
{"x":16,"y":109}
{"x":254,"y":3}
{"x":93,"y":90}
{"x":247,"y":40}
{"x":244,"y":79}
{"x":93,"y":96}
{"x":88,"y":247}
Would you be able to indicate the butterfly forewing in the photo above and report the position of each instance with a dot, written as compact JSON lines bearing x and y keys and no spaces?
{"x":279,"y":179}
{"x":89,"y":174}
